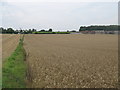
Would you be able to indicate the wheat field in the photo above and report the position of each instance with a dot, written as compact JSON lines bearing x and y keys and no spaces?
{"x":72,"y":61}
{"x":9,"y":44}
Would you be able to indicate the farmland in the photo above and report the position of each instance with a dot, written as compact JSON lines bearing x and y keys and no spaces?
{"x":9,"y":44}
{"x":72,"y":61}
{"x":13,"y":68}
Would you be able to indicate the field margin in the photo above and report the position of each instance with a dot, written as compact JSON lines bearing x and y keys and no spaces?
{"x":14,"y":68}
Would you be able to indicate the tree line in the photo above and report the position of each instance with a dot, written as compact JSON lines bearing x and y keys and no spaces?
{"x":29,"y":31}
{"x":97,"y":27}
{"x":50,"y":31}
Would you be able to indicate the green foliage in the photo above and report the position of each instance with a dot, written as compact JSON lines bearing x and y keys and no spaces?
{"x":14,"y":69}
{"x":43,"y":32}
{"x":95,"y":28}
{"x":51,"y":32}
{"x":12,"y":31}
{"x":30,"y":31}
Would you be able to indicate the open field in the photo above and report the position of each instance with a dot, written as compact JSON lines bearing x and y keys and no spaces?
{"x":9,"y":44}
{"x":72,"y":61}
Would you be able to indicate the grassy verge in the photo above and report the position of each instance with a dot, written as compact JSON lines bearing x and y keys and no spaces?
{"x":14,"y":68}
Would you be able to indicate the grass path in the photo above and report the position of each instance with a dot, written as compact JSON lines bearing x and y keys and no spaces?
{"x":14,"y":68}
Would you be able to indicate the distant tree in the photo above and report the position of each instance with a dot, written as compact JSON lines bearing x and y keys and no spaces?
{"x":29,"y":31}
{"x":67,"y":30}
{"x":50,"y":30}
{"x":73,"y":31}
{"x":25,"y":31}
{"x":4,"y":30}
{"x":16,"y":32}
{"x":1,"y":30}
{"x":97,"y":27}
{"x":33,"y":30}
{"x":42,"y":30}
{"x":10,"y":30}
{"x":21,"y":31}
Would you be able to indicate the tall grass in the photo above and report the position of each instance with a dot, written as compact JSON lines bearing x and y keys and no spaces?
{"x":14,"y":68}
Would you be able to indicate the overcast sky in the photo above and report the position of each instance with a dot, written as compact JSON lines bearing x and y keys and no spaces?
{"x":67,"y":15}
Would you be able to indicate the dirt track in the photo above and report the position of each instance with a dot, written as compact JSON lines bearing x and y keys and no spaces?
{"x":72,"y":61}
{"x":9,"y":44}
